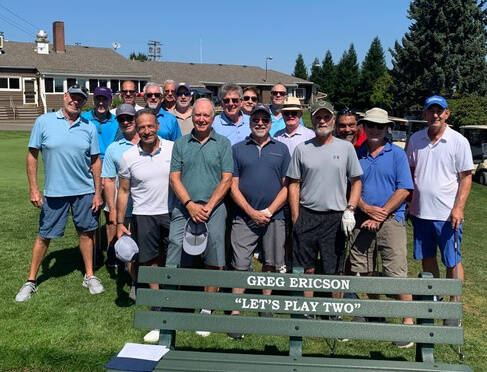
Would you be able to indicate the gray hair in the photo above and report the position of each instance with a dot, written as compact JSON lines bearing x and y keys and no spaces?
{"x":203,"y":99}
{"x":169,"y":81}
{"x":144,"y":111}
{"x":229,"y":87}
{"x":152,"y":84}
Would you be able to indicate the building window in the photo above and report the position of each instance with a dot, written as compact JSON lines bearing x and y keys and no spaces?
{"x":115,"y":85}
{"x":300,"y":93}
{"x":71,"y":82}
{"x":10,"y":83}
{"x":82,"y":82}
{"x":93,"y":85}
{"x":103,"y":83}
{"x":49,"y":83}
{"x":58,"y":85}
{"x":142,"y":85}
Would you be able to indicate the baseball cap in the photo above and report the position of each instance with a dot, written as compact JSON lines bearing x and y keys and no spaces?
{"x":77,"y":89}
{"x":125,"y":109}
{"x":126,"y":248}
{"x":261,"y":108}
{"x":183,"y":85}
{"x":322,"y":105}
{"x":103,"y":91}
{"x":435,"y":100}
{"x":195,"y":237}
{"x":291,"y":104}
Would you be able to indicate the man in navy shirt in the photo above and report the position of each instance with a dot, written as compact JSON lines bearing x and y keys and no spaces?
{"x":259,"y":191}
{"x":380,"y":227}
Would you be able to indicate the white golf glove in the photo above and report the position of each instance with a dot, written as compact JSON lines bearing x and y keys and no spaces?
{"x":348,"y":222}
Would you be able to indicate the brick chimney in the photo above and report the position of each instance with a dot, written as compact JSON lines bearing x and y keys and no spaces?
{"x":58,"y":36}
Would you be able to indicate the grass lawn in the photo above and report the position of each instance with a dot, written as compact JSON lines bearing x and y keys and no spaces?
{"x":64,"y":328}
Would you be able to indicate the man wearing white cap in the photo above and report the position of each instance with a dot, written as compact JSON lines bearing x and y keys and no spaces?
{"x":441,"y":163}
{"x":318,"y":175}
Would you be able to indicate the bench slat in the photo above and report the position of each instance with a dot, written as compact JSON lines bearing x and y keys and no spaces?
{"x":288,"y":304}
{"x":298,"y":327}
{"x":300,"y":282}
{"x":208,"y":361}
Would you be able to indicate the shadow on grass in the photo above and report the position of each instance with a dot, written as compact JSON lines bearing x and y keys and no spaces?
{"x":122,"y":278}
{"x":61,"y":263}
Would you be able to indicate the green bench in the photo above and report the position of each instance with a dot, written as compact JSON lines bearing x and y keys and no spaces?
{"x":287,"y":301}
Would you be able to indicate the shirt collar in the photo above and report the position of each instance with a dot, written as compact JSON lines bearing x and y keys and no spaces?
{"x":363,"y":150}
{"x":142,"y":152}
{"x":447,"y":134}
{"x":60,"y":115}
{"x":226,"y":120}
{"x":191,"y":137}
{"x":108,"y":117}
{"x":249,"y":140}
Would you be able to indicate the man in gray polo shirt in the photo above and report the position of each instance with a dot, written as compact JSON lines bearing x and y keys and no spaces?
{"x":317,"y":195}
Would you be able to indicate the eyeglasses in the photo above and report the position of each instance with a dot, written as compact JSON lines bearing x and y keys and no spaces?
{"x":290,"y":113}
{"x":128,"y":91}
{"x":183,"y":93}
{"x":374,"y":125}
{"x":250,"y":98}
{"x":125,"y":118}
{"x":258,"y":120}
{"x":278,"y":93}
{"x":150,"y":95}
{"x":226,"y":101}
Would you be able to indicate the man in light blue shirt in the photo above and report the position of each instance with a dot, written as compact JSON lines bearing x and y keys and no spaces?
{"x":232,"y":122}
{"x":70,"y":151}
{"x":105,"y":122}
{"x":168,"y":124}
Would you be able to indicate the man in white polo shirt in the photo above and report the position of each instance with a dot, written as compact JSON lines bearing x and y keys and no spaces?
{"x":441,"y":164}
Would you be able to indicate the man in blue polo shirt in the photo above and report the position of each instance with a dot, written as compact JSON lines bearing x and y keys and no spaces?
{"x":380,"y":227}
{"x":260,"y":166}
{"x":279,"y":99}
{"x":168,"y":124}
{"x":105,"y":122}
{"x":232,"y":122}
{"x":70,"y":151}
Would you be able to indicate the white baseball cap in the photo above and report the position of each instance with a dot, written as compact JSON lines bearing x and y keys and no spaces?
{"x":126,"y":248}
{"x":195,"y":237}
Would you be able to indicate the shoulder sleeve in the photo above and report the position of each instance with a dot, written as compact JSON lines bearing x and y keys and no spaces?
{"x":226,"y":158}
{"x":410,"y":152}
{"x":463,"y":155}
{"x":94,"y":148}
{"x":402,"y":170}
{"x":353,"y":165}
{"x":294,"y":169}
{"x":285,"y":161}
{"x":176,"y":130}
{"x":35,"y":140}
{"x":124,"y":171}
{"x":177,"y":156}
{"x":109,"y":169}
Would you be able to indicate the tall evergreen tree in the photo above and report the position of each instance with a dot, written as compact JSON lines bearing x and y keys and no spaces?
{"x":373,"y":68}
{"x":347,"y":80}
{"x":300,"y":68}
{"x":138,"y":57}
{"x":328,"y":77}
{"x":381,"y":93}
{"x":443,"y":52}
{"x":316,"y":74}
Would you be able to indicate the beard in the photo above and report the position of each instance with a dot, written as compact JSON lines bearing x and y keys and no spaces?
{"x":323,"y":131}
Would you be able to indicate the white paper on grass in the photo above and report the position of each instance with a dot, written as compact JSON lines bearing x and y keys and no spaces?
{"x":143,"y":351}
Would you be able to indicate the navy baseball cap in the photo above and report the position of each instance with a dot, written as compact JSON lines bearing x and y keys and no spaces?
{"x":103,"y":91}
{"x":262,"y":108}
{"x":435,"y":100}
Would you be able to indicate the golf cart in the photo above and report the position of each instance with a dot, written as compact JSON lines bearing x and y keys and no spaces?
{"x":477,"y":137}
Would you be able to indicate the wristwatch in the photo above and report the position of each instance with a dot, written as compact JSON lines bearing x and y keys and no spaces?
{"x":351,"y":207}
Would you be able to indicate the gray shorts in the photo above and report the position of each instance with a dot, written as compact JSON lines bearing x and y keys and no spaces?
{"x":245,"y":237}
{"x":214,"y":254}
{"x":389,"y":241}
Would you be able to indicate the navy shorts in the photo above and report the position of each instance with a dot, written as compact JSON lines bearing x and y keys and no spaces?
{"x":55,"y":211}
{"x":431,"y":234}
{"x":152,"y":236}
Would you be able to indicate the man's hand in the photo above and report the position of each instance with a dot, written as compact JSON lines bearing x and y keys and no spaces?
{"x":112,"y":216}
{"x":122,"y":230}
{"x":371,"y":225}
{"x":376,"y":213}
{"x":456,"y":218}
{"x":97,"y":202}
{"x":260,"y":218}
{"x":348,"y":222}
{"x":198,"y":213}
{"x":36,"y":198}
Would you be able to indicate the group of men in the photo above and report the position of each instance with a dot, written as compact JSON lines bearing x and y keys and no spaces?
{"x":253,"y":176}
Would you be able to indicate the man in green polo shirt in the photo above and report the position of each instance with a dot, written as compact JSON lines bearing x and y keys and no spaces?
{"x":201,"y":175}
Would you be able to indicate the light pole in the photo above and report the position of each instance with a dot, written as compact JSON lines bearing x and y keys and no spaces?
{"x":267,"y":59}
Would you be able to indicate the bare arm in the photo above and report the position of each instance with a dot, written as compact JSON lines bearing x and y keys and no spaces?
{"x":457,"y":213}
{"x":294,"y":189}
{"x":381,"y":213}
{"x":31,"y":166}
{"x":220,"y":191}
{"x":257,"y":216}
{"x":96,"y":172}
{"x":109,"y":191}
{"x":280,"y":199}
{"x":121,"y":207}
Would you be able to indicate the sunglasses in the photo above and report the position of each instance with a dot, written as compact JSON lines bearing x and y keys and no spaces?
{"x":278,"y":93}
{"x":250,"y":98}
{"x":150,"y":95}
{"x":290,"y":113}
{"x":374,"y":125}
{"x":183,"y":93}
{"x":226,"y":101}
{"x":128,"y":91}
{"x":258,"y":120}
{"x":125,"y":118}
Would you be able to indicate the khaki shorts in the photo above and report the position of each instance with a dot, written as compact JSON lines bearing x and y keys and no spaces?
{"x":389,"y":241}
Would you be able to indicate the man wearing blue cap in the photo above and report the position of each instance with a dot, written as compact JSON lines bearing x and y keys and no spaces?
{"x":70,"y":152}
{"x":441,"y":164}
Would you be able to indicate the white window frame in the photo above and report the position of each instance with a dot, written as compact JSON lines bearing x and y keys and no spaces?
{"x":8,"y":83}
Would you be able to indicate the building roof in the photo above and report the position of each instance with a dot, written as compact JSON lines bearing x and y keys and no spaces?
{"x":94,"y":61}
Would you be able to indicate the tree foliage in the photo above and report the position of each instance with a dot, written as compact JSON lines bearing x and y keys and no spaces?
{"x":443,"y":52}
{"x":468,"y":110}
{"x":328,"y":77}
{"x":373,"y":69}
{"x":138,"y":57}
{"x":316,"y":74}
{"x":347,"y":80}
{"x":300,"y":68}
{"x":381,"y":93}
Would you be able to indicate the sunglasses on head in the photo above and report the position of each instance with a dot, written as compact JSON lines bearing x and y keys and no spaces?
{"x":227,"y":100}
{"x":258,"y":120}
{"x":127,"y":91}
{"x":278,"y":93}
{"x":250,"y":98}
{"x":375,"y":125}
{"x":346,"y":111}
{"x":150,"y":95}
{"x":183,"y":93}
{"x":290,"y":113}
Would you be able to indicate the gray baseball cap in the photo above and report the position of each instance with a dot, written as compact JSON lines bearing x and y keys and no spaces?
{"x":195,"y":237}
{"x":126,"y":248}
{"x":125,"y":109}
{"x":77,"y":89}
{"x":322,"y":105}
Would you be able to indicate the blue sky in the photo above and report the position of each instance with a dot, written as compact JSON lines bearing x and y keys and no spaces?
{"x":232,"y":32}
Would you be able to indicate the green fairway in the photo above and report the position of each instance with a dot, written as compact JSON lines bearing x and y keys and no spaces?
{"x":64,"y":328}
